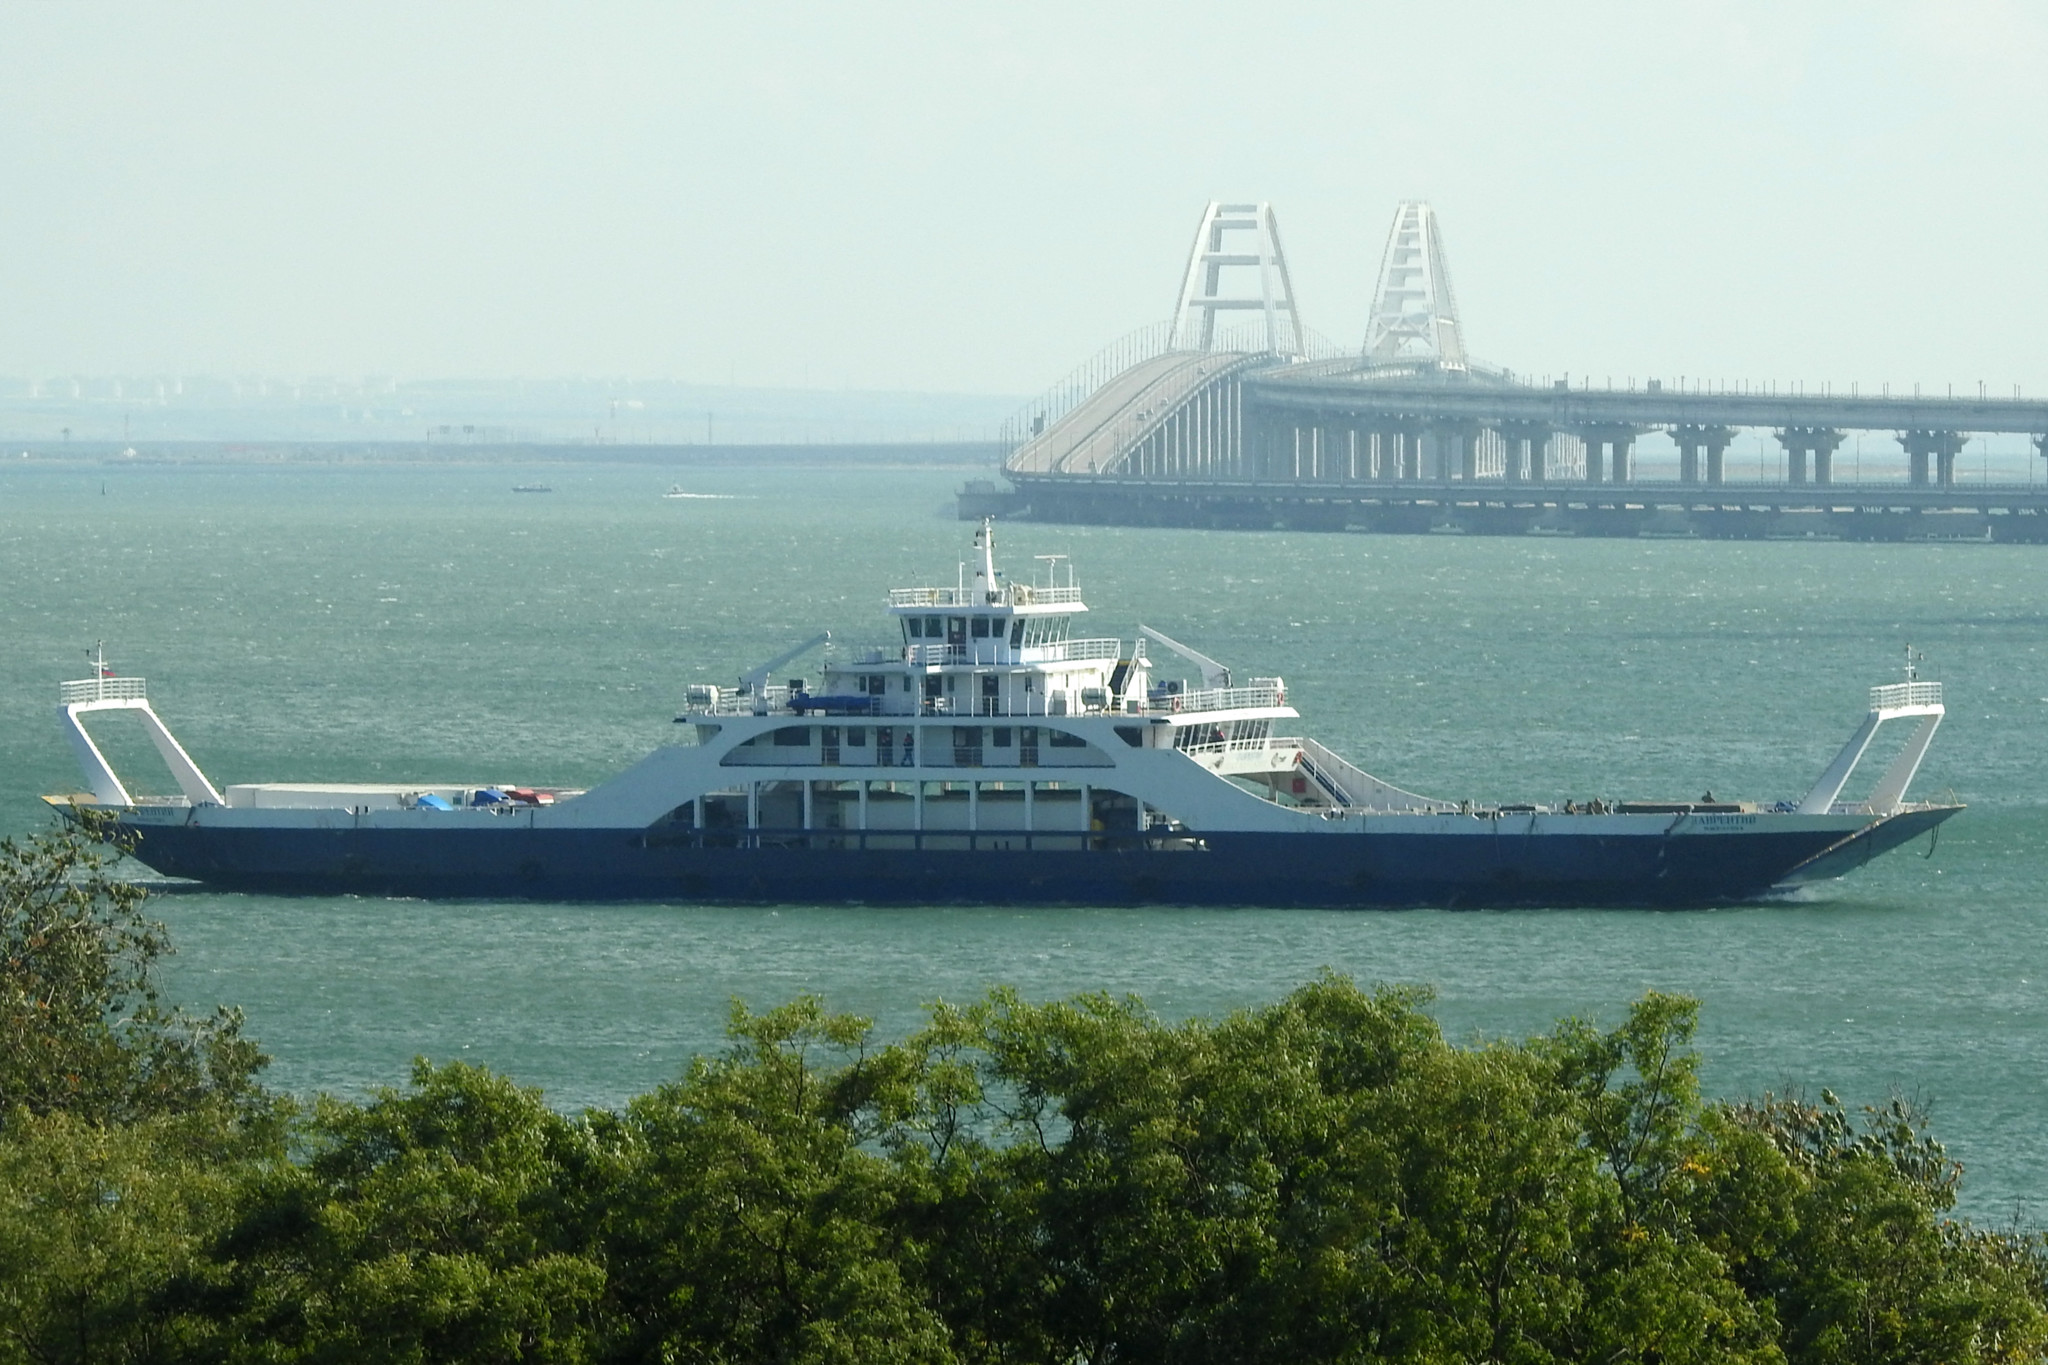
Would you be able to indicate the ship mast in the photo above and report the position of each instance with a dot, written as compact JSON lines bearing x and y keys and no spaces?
{"x":985,"y":569}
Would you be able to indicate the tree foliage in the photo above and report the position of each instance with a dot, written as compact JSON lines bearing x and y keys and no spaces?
{"x":1322,"y":1179}
{"x":84,"y":1029}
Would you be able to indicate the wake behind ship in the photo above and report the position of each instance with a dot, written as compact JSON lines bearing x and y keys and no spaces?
{"x":986,"y":752}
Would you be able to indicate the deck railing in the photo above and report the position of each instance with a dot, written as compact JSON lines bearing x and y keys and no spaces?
{"x":987,"y":651}
{"x":1893,"y":695}
{"x":1216,"y":699}
{"x":102,"y":689}
{"x":1007,"y":594}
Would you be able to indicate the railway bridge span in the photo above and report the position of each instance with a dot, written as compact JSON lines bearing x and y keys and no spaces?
{"x":1264,"y":426}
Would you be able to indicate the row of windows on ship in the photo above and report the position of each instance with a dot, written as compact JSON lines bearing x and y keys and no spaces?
{"x":977,"y":816}
{"x":1025,"y":632}
{"x":970,"y":746}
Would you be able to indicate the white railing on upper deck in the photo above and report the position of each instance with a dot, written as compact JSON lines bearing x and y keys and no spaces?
{"x":1217,"y":699}
{"x":1893,"y":695}
{"x":101,"y":689}
{"x":1008,"y":595}
{"x":988,"y":652}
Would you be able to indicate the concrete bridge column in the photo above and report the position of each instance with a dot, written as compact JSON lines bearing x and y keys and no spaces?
{"x":1700,"y":452}
{"x":1916,"y":459}
{"x":1945,"y":458}
{"x":1535,"y":435}
{"x":1620,"y":438}
{"x":1716,"y":439}
{"x":1941,"y":447}
{"x":1457,"y":445}
{"x":1333,"y":441}
{"x":1400,"y":459}
{"x":1817,"y":442}
{"x":1824,"y":444}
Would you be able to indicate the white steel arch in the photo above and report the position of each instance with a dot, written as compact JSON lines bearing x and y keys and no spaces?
{"x":1237,"y":238}
{"x":1414,"y":316}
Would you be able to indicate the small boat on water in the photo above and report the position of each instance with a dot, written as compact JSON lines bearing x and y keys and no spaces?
{"x":532,"y":488}
{"x":986,"y":752}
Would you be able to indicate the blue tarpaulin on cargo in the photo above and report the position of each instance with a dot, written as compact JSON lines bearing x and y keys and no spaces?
{"x":489,"y":796}
{"x":433,"y":802}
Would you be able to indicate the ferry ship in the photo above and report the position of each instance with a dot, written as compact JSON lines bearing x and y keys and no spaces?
{"x":989,"y":752}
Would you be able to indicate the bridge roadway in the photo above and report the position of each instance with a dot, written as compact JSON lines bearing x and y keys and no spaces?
{"x":1981,"y":513}
{"x":1096,"y":434}
{"x":1311,"y":389}
{"x":1353,"y":405}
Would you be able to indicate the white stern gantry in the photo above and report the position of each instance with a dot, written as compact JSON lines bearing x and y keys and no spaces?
{"x":1908,"y":700}
{"x":105,"y":692}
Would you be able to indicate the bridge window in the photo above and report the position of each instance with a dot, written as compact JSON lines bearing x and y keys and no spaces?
{"x":856,"y":736}
{"x":1017,"y":632}
{"x":981,"y":627}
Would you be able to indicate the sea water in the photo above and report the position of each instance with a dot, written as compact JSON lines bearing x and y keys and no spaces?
{"x":425,"y":623}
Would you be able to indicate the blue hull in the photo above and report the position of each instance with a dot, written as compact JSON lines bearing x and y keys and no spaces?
{"x":1377,"y":869}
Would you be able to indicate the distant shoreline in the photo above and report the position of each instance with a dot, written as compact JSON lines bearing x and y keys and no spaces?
{"x":874,"y":454}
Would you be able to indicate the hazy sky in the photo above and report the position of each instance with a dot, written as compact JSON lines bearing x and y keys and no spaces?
{"x":973,"y":198}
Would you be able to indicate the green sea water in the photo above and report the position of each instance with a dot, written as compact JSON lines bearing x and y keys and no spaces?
{"x":423,"y":623}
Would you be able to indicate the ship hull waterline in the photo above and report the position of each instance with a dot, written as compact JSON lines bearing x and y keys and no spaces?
{"x":1496,"y":868}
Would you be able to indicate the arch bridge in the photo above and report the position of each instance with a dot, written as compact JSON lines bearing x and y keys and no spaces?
{"x":1263,"y":426}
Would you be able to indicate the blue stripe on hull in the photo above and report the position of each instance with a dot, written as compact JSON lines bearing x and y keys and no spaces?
{"x":1380,"y":869}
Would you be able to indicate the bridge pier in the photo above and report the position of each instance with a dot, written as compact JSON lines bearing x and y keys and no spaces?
{"x":1457,"y":450}
{"x":1803,"y":442}
{"x":1398,"y":456}
{"x":1940,"y":447}
{"x":1700,"y":452}
{"x":1597,"y":438}
{"x":1534,"y":436}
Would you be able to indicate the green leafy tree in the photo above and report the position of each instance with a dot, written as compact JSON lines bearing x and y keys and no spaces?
{"x":755,"y":1215}
{"x":1322,"y":1179}
{"x":96,"y":1223}
{"x":83,"y":1026}
{"x":439,"y":1223}
{"x":1840,"y":1223}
